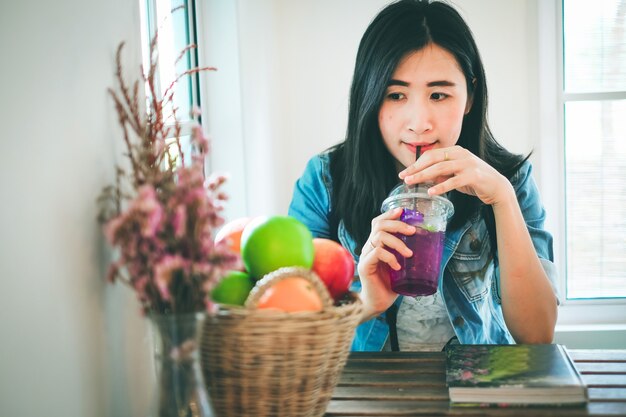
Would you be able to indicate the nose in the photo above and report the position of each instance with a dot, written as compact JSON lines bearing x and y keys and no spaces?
{"x":418,"y":118}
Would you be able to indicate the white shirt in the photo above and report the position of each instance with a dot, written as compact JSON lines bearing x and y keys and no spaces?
{"x":422,"y":324}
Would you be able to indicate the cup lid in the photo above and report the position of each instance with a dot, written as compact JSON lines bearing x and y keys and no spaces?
{"x":417,"y":192}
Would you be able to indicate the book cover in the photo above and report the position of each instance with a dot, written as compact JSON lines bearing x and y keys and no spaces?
{"x":509,"y":375}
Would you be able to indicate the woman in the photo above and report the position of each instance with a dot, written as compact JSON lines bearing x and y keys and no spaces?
{"x":419,"y":83}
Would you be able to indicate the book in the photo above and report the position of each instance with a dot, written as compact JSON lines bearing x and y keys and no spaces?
{"x":513,"y":375}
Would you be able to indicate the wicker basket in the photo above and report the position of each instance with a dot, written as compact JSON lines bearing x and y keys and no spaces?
{"x":265,"y":363}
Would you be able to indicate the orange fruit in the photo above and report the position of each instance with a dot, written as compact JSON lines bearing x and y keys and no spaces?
{"x":231,"y":233}
{"x":291,"y":294}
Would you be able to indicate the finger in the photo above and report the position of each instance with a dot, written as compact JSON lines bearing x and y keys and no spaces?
{"x":385,"y":239}
{"x":393,"y":226}
{"x":390,"y":241}
{"x":389,"y":214}
{"x":436,"y":171}
{"x":413,"y":168}
{"x":430,"y":158}
{"x":446,"y":155}
{"x":450,"y":184}
{"x":380,"y":254}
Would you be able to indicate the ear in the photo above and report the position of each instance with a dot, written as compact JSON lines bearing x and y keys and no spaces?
{"x":470,"y":97}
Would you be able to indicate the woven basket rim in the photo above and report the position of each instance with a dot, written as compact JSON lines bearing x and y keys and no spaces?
{"x":351,"y":301}
{"x":281,"y":274}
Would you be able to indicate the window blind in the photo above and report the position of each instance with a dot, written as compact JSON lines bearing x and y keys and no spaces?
{"x":594,"y":92}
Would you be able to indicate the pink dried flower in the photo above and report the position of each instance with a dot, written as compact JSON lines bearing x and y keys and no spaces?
{"x":149,"y":209}
{"x":161,"y":214}
{"x":140,"y":286}
{"x":199,"y":139}
{"x":164,"y":270}
{"x":179,"y":220}
{"x":112,"y":228}
{"x":112,"y":272}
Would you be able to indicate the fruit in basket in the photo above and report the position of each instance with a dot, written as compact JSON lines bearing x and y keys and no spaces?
{"x":334,"y":265}
{"x":231,"y":233}
{"x":270,"y":243}
{"x":233,"y":288}
{"x":291,"y":294}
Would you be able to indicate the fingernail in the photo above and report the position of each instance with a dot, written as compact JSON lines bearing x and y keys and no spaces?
{"x":409,"y":252}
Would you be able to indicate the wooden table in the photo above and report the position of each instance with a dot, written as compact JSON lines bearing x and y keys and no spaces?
{"x":413,"y":383}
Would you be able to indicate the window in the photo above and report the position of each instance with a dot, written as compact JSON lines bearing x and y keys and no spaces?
{"x":175,"y":22}
{"x":594,"y":109}
{"x":213,"y":26}
{"x":600,"y":306}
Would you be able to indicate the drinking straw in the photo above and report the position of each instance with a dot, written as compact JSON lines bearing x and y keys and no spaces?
{"x":418,"y":152}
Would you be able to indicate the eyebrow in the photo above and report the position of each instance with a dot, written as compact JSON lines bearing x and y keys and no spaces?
{"x":439,"y":83}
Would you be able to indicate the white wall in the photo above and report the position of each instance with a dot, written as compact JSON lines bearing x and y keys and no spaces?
{"x":70,"y":344}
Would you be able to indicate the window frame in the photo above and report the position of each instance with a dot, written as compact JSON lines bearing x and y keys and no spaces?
{"x":600,"y":313}
{"x":149,"y":24}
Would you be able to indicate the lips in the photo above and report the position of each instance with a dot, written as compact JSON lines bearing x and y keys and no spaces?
{"x":427,"y":147}
{"x":424,"y":146}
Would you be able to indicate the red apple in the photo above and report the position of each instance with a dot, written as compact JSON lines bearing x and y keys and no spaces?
{"x":334,"y":265}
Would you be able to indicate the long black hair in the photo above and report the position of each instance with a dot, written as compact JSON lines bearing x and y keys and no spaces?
{"x":363,"y":171}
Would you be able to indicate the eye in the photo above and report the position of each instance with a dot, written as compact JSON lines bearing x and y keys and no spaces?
{"x":395,"y":96}
{"x":438,"y":96}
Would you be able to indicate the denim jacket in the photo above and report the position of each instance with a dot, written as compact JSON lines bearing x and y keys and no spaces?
{"x":470,"y":277}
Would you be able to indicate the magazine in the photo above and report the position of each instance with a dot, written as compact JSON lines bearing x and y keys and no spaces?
{"x":510,"y":375}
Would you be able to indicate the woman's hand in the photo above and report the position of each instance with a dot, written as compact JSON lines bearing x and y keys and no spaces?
{"x":528,"y":302}
{"x":376,"y":259}
{"x":456,"y":168}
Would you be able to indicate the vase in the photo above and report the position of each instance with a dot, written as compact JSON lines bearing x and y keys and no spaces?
{"x":180,"y":388}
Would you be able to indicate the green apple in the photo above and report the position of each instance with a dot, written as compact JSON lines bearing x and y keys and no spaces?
{"x":269,"y":243}
{"x":233,"y":288}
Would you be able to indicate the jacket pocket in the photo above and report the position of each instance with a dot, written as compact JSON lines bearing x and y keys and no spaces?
{"x":471,"y":265}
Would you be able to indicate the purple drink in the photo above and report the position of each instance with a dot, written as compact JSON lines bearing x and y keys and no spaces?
{"x":419,"y":274}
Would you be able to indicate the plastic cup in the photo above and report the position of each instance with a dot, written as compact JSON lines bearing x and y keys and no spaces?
{"x":419,"y":274}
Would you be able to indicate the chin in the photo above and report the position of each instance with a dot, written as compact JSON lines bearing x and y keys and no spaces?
{"x":407,"y":160}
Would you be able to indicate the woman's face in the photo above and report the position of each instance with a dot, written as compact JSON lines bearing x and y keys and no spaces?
{"x":424,"y":104}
